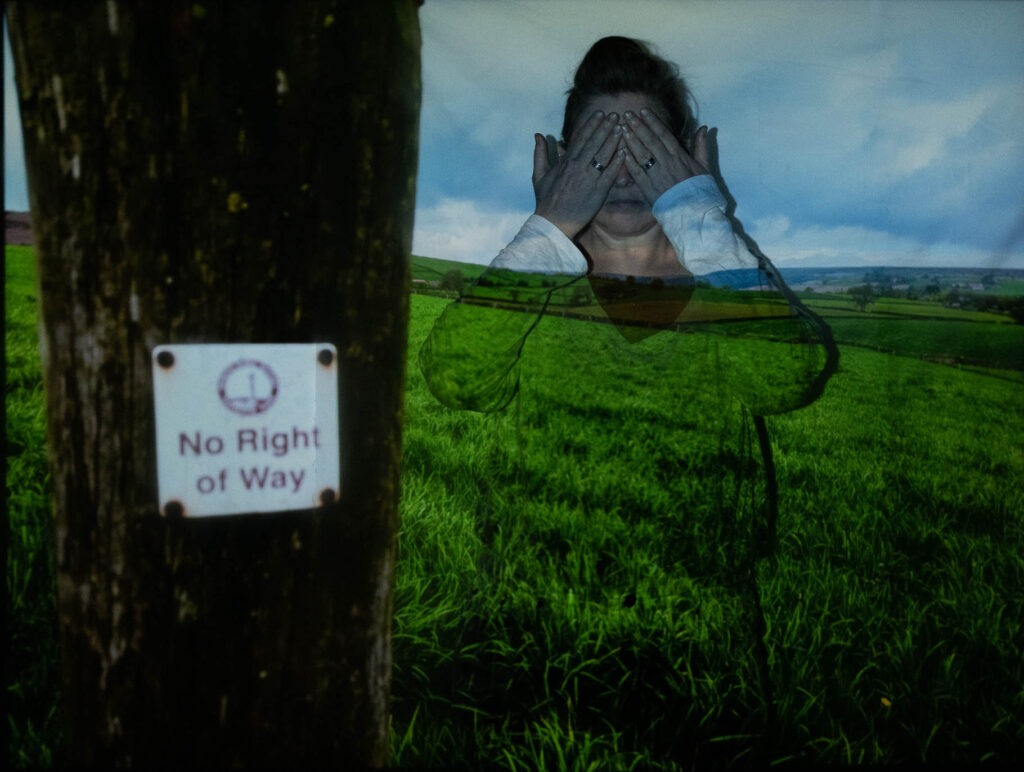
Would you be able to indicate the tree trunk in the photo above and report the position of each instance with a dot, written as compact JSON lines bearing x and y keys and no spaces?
{"x":220,"y":172}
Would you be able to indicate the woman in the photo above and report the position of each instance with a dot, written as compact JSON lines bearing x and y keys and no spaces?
{"x":625,"y":201}
{"x":631,"y":247}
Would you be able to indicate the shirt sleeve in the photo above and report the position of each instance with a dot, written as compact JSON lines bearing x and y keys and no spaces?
{"x":541,"y":248}
{"x":775,"y":354}
{"x":470,"y":360}
{"x":692,"y":215}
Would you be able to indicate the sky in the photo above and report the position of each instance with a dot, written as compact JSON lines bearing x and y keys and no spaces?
{"x":850,"y":132}
{"x":15,"y":185}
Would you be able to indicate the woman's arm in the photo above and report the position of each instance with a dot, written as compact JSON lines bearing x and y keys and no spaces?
{"x":470,"y":359}
{"x":773,"y":352}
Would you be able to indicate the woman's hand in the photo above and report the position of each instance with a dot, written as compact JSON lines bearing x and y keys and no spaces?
{"x":570,"y":193}
{"x":647,"y":139}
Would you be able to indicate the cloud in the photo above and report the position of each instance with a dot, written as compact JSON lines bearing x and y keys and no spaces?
{"x":819,"y":246}
{"x":457,"y":229}
{"x":771,"y":229}
{"x":919,"y":134}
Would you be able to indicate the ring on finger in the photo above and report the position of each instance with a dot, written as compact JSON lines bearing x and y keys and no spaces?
{"x":650,"y":162}
{"x":598,"y":165}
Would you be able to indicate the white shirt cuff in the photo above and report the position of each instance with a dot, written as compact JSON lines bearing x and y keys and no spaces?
{"x":540,"y":247}
{"x":692,"y":215}
{"x":698,"y":193}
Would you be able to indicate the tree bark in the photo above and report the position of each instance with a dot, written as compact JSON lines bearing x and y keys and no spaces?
{"x":220,"y":172}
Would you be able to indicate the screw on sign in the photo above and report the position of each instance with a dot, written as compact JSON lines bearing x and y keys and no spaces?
{"x":245,"y":428}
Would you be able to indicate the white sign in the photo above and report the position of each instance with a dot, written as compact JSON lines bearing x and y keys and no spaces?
{"x":245,"y":427}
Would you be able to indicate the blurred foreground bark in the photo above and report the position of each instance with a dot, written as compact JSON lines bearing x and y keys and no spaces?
{"x":216,"y":172}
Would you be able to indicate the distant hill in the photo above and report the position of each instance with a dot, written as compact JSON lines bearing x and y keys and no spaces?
{"x":18,"y":229}
{"x":433,"y":268}
{"x":887,"y":277}
{"x":1000,"y":281}
{"x":827,"y":279}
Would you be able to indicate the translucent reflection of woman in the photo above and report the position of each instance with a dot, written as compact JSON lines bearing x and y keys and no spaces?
{"x":630,"y":245}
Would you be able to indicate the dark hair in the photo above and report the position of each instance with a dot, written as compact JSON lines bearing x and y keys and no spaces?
{"x":615,"y":65}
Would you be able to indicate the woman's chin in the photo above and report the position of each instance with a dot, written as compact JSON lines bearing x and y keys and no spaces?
{"x":625,"y":219}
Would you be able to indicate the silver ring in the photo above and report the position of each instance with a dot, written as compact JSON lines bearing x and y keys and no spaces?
{"x":650,"y":162}
{"x":597,"y":165}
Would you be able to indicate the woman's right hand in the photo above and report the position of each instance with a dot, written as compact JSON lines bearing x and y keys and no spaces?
{"x":570,"y":193}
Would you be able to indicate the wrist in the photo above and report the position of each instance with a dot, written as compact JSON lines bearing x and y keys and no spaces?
{"x":570,"y":229}
{"x":698,"y":192}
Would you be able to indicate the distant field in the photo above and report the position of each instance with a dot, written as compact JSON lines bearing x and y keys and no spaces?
{"x":990,"y":280}
{"x":921,"y":329}
{"x":543,"y":621}
{"x":842,"y":305}
{"x":1008,"y":288}
{"x":432,"y":268}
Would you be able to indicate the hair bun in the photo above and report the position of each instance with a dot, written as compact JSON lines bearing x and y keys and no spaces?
{"x":616,"y":65}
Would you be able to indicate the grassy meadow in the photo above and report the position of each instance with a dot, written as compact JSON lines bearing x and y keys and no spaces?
{"x":545,"y":620}
{"x":33,"y":665}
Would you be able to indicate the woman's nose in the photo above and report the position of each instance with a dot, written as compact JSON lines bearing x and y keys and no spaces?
{"x":624,"y":178}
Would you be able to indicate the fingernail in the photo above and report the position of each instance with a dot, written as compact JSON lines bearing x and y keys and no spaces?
{"x":612,"y":117}
{"x":599,"y":114}
{"x":629,"y":115}
{"x":617,"y":130}
{"x":645,"y":111}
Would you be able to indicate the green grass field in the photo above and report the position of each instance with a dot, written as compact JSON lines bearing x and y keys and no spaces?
{"x":33,"y":687}
{"x":541,"y":624}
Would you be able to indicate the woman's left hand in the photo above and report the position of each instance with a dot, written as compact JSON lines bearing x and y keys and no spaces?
{"x":647,"y":138}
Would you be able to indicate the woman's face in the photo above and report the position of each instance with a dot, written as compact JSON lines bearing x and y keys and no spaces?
{"x":625,"y":211}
